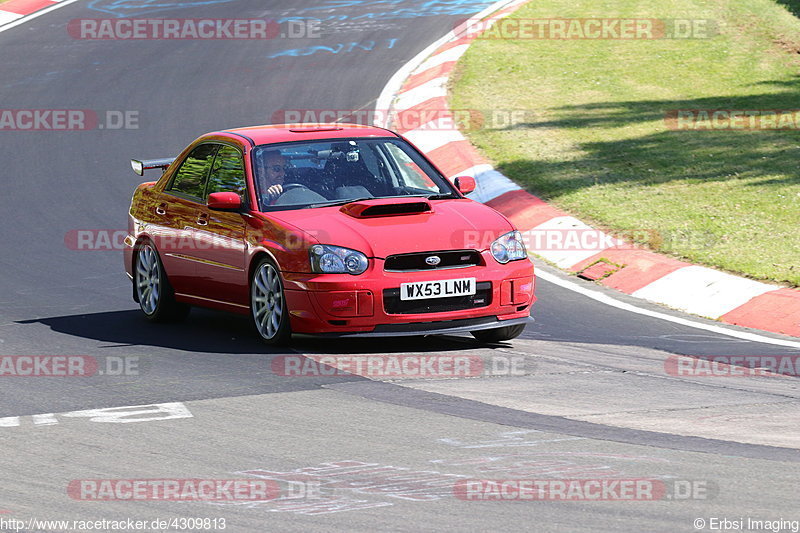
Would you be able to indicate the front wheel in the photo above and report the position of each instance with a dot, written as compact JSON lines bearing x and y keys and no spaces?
{"x":499,"y":334}
{"x":155,"y":295}
{"x":268,"y":304}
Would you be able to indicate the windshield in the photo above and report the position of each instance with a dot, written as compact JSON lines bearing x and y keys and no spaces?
{"x":322,"y":173}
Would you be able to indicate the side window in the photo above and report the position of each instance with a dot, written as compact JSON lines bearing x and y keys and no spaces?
{"x":190,"y":178}
{"x":228,"y":172}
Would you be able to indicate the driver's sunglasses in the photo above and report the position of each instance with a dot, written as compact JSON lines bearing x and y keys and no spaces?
{"x":277,"y":168}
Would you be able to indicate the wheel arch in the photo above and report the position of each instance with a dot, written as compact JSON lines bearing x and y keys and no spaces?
{"x":260,"y":254}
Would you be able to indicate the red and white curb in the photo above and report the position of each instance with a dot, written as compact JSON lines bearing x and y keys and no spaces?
{"x":422,"y":85}
{"x":16,"y":12}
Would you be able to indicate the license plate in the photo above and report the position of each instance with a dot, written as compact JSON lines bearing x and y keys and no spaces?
{"x":437,"y":289}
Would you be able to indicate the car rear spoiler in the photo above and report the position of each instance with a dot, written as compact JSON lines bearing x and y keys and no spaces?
{"x":140,"y":166}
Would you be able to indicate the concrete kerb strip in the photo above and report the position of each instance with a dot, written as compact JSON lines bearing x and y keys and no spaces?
{"x":16,"y":12}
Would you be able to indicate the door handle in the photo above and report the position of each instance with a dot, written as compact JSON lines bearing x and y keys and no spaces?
{"x":161,"y":209}
{"x":202,"y":220}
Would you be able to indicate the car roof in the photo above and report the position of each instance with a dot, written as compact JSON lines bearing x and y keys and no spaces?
{"x":278,"y":133}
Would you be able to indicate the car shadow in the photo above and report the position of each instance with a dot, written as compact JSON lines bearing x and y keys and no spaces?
{"x":208,"y":331}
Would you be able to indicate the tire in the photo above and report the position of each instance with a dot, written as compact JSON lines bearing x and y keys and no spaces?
{"x":153,"y":291}
{"x":499,"y":334}
{"x":268,"y":312}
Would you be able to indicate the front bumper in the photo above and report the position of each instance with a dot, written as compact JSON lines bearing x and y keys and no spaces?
{"x":445,"y":327}
{"x":345,"y":305}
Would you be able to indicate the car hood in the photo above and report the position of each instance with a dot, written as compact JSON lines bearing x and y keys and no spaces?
{"x":450,"y":225}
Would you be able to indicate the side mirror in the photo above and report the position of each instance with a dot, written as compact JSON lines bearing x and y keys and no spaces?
{"x":224,"y":201}
{"x":465,"y":184}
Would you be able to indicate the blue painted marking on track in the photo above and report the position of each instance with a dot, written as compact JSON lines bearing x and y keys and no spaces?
{"x":421,"y":6}
{"x":345,"y":48}
{"x":396,"y":9}
{"x":135,"y":8}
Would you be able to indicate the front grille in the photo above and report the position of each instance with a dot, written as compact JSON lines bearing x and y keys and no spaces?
{"x":416,"y":261}
{"x":393,"y":305}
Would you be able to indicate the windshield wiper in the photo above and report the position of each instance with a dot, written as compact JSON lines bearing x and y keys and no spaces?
{"x":351,"y":200}
{"x":339,"y":202}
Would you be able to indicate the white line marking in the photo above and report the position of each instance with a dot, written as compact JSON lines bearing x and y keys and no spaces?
{"x":47,"y":419}
{"x":115,"y":415}
{"x":608,"y":300}
{"x":9,"y":422}
{"x":35,"y":14}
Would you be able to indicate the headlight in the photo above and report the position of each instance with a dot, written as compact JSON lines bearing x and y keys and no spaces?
{"x":509,"y":247}
{"x":327,"y":259}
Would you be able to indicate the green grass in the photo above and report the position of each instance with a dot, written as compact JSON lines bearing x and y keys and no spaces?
{"x":596,"y":143}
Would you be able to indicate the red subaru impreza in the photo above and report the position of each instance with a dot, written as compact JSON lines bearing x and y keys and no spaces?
{"x":340,"y":229}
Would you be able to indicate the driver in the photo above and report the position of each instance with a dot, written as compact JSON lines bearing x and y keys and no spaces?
{"x":272,"y":175}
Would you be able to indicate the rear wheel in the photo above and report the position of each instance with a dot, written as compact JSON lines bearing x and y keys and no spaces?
{"x":499,"y":334}
{"x":268,"y":304}
{"x":155,"y":295}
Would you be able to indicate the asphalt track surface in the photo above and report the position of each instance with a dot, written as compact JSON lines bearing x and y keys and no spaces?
{"x":594,"y":400}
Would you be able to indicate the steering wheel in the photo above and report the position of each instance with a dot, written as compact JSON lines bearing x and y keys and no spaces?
{"x":286,"y":188}
{"x":289,"y":186}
